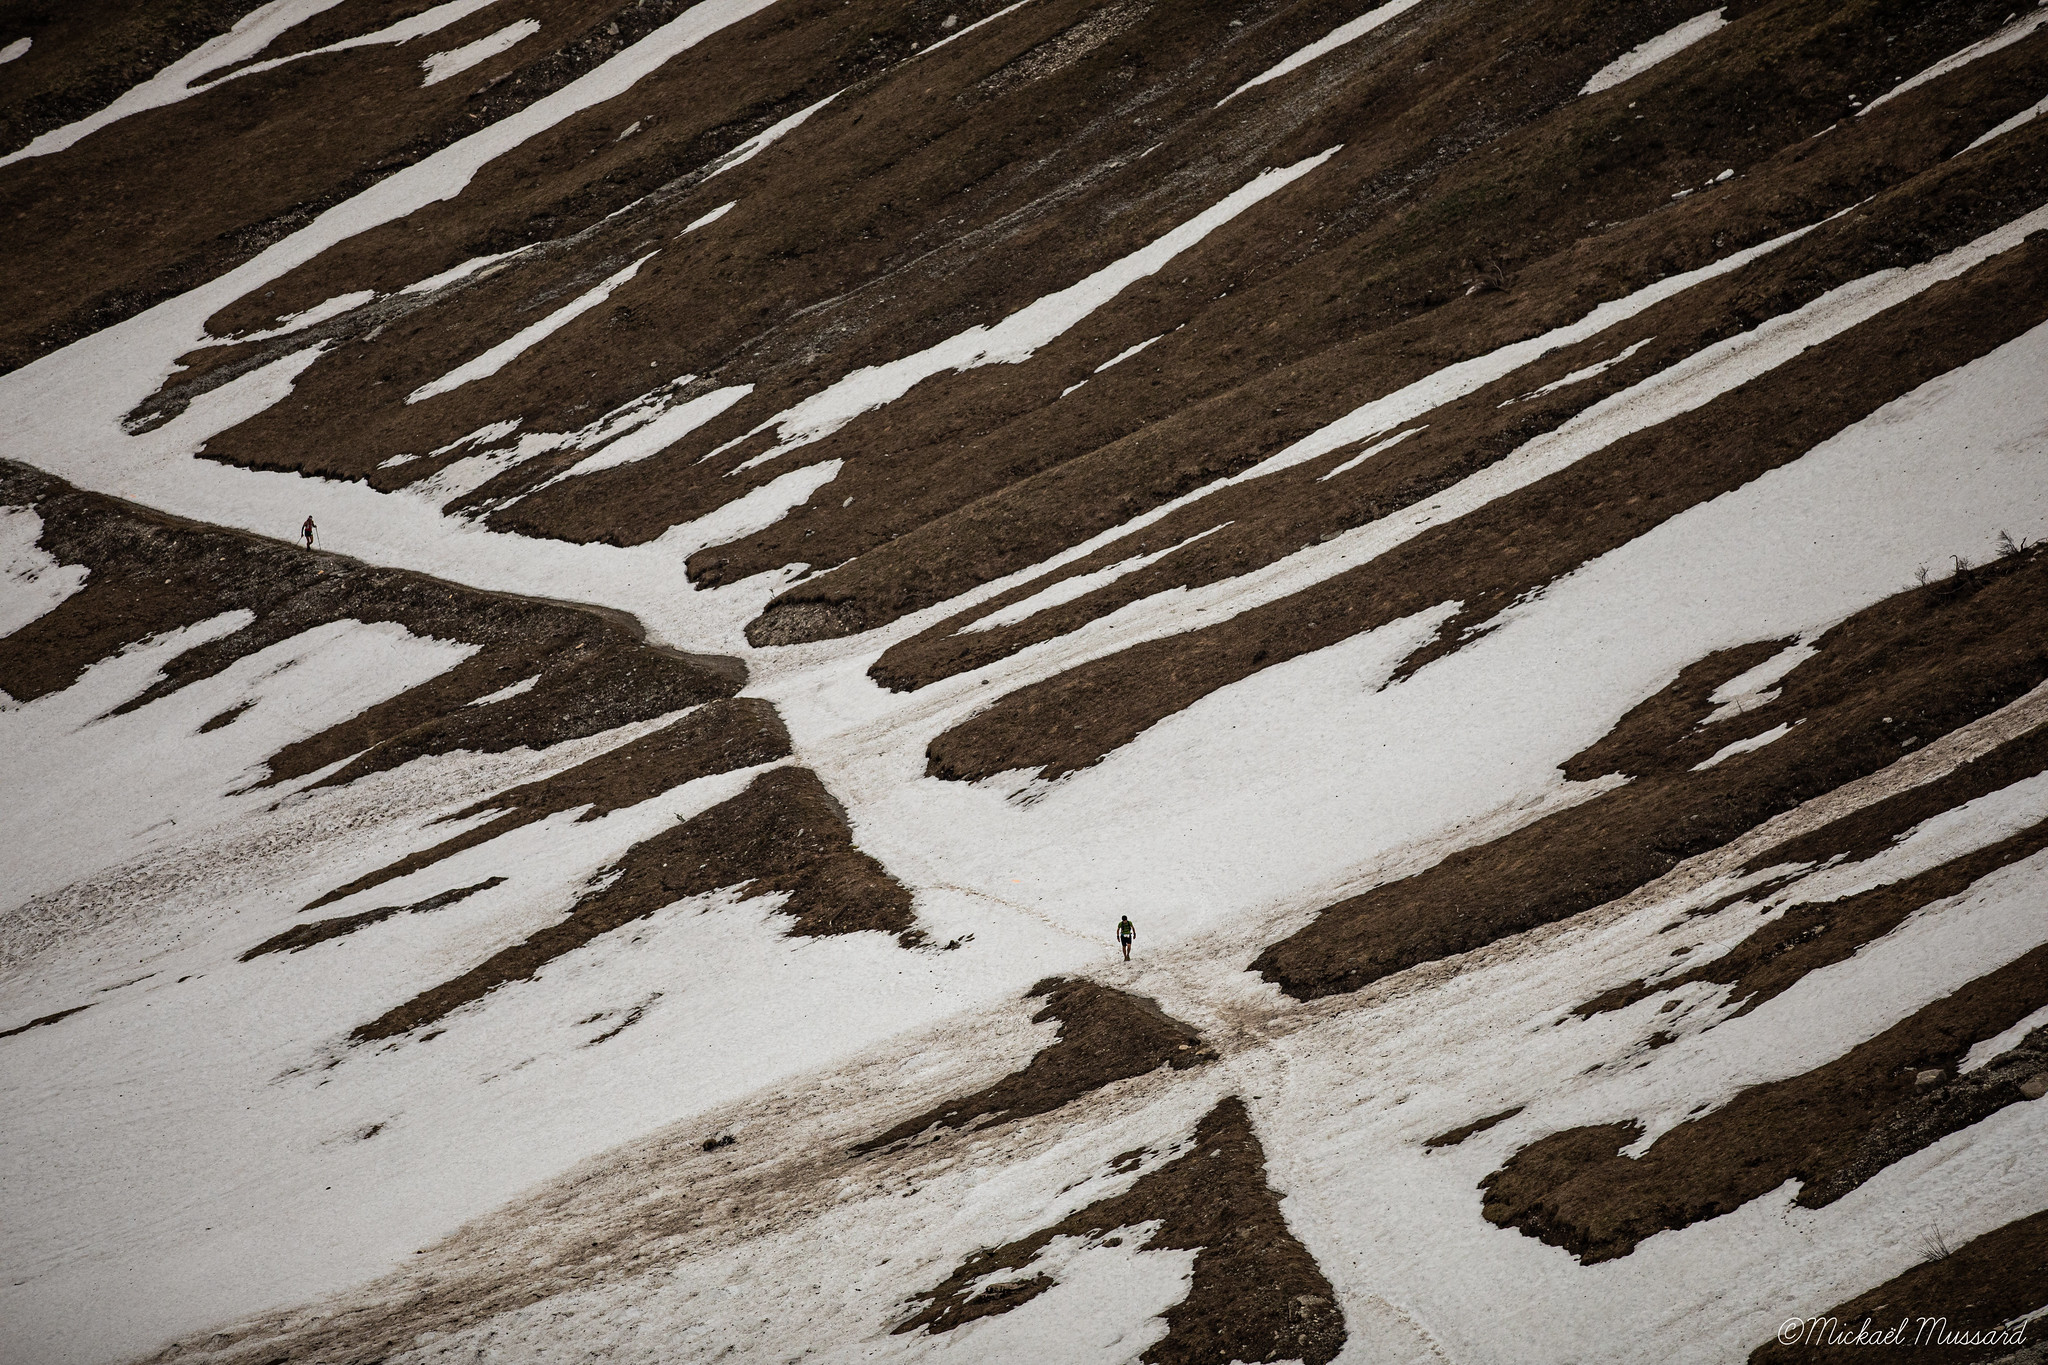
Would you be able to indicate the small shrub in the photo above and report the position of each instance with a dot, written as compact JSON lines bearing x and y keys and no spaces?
{"x":1934,"y":1245}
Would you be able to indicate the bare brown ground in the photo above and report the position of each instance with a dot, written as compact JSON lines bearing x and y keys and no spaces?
{"x":784,"y":833}
{"x":1105,"y":1035}
{"x":1979,"y":1285}
{"x":896,"y":216}
{"x":1452,"y":1137}
{"x":1257,"y":1294}
{"x":1895,"y":675}
{"x":1516,"y":544}
{"x":88,"y":52}
{"x":115,"y":225}
{"x":1831,"y":1129}
{"x":152,"y":573}
{"x":1811,"y":936}
{"x":1269,"y":354}
{"x":712,"y":739}
{"x":300,"y":937}
{"x":43,"y":1021}
{"x":1660,"y":733}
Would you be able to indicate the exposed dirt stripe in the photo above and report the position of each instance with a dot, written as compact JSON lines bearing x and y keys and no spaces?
{"x":1831,"y":1129}
{"x":1257,"y":1294}
{"x":784,"y":833}
{"x":44,"y":1021}
{"x":717,"y":738}
{"x":1105,"y":1035}
{"x":1945,"y":661}
{"x":151,"y":573}
{"x":1808,"y":937}
{"x":1452,"y":1137}
{"x":1296,"y":344}
{"x":302,"y":936}
{"x":1491,"y":557}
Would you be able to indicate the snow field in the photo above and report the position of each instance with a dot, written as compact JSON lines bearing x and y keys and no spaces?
{"x":1342,"y":1092}
{"x":833,"y":1248}
{"x":178,"y":1155}
{"x":1661,"y":48}
{"x":1382,"y":1214}
{"x":31,"y":582}
{"x":345,"y":1161}
{"x":441,"y":65}
{"x":110,"y":787}
{"x":1187,"y":828}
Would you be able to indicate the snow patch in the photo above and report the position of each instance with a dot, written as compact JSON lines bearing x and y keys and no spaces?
{"x":467,"y":268}
{"x":32,"y":582}
{"x":1362,"y":456}
{"x":1989,"y":1050}
{"x":2019,"y":120}
{"x":1067,"y":589}
{"x":1943,"y":838}
{"x":1123,"y":355}
{"x":1580,"y":376}
{"x":2005,"y":37}
{"x":761,"y":142}
{"x":1664,"y":46}
{"x":1754,"y":687}
{"x":1329,"y":42}
{"x":708,"y":219}
{"x":955,"y":37}
{"x":299,"y":322}
{"x":510,"y":349}
{"x":1017,"y":337}
{"x":524,"y":685}
{"x":657,"y":433}
{"x":756,"y":510}
{"x":442,"y":65}
{"x":1744,"y":746}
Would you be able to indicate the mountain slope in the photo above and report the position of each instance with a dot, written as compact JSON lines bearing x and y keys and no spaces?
{"x":1506,"y":538}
